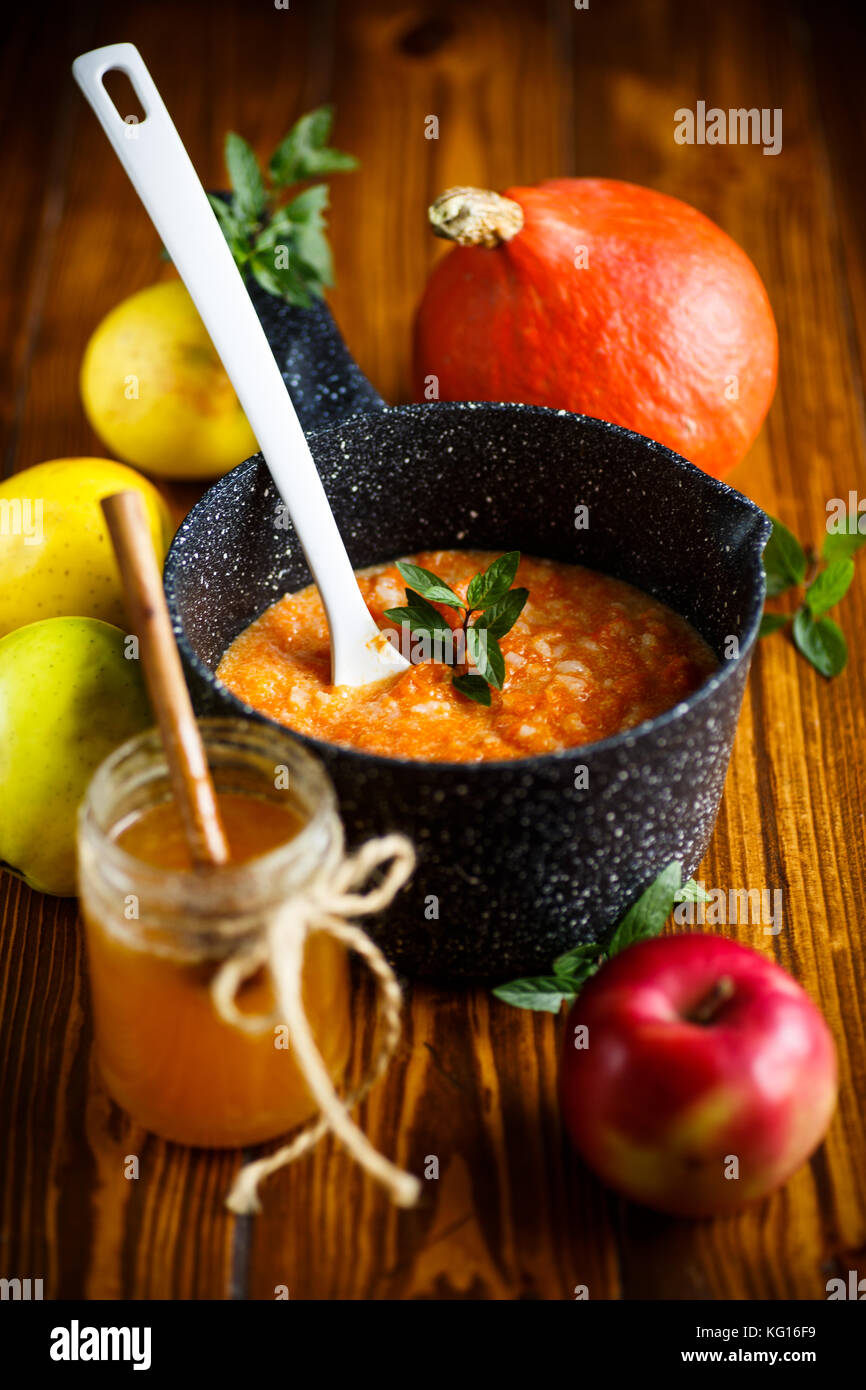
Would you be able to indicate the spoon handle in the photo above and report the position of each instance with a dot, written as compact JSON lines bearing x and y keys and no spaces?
{"x":154,"y":157}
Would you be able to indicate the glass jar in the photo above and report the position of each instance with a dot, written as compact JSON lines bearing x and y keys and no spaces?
{"x":157,"y":935}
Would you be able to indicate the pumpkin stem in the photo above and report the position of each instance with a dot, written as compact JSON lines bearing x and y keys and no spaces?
{"x":475,"y":217}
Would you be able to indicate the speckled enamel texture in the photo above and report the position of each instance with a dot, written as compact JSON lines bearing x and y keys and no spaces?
{"x":518,"y":860}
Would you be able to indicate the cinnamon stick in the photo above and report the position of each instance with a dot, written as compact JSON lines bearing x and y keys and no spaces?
{"x":191,"y":781}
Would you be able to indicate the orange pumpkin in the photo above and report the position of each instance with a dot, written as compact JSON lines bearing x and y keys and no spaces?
{"x":603,"y":298}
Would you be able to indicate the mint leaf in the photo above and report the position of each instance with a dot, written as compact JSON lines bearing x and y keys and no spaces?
{"x":577,"y":957}
{"x":313,"y":251}
{"x":419,"y":614}
{"x":428,"y":584}
{"x":839,"y":544}
{"x":500,"y":617}
{"x":280,"y":231}
{"x":226,"y":216}
{"x":579,"y":965}
{"x":648,"y":915}
{"x":577,"y":978}
{"x":545,"y":994}
{"x":819,"y":639}
{"x":495,"y":582}
{"x":691,"y":892}
{"x":822,"y":642}
{"x":255,"y":227}
{"x":305,"y":214}
{"x":645,"y":918}
{"x":483,"y":652}
{"x":486,"y":656}
{"x":309,"y":205}
{"x":246,"y":177}
{"x":283,"y":281}
{"x":771,"y":622}
{"x":784,"y":560}
{"x":475,"y":687}
{"x":303,"y":153}
{"x":308,"y":261}
{"x":830,"y":586}
{"x":234,"y":229}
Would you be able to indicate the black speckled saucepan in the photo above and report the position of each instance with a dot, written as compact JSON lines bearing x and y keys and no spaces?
{"x":518,"y":860}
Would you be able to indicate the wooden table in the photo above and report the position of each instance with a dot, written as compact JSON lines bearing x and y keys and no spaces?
{"x":522,"y":92}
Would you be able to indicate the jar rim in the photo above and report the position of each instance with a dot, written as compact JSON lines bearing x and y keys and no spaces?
{"x":215,"y":731}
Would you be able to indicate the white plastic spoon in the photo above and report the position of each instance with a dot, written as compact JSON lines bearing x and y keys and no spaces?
{"x":153,"y":155}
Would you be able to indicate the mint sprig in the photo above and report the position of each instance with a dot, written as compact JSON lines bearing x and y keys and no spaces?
{"x":283,"y":244}
{"x":644,"y":919}
{"x":784,"y":560}
{"x":494,"y":604}
{"x":305,"y":154}
{"x":825,"y":579}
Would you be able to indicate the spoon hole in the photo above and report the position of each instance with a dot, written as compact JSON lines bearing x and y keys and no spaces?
{"x":125,"y":99}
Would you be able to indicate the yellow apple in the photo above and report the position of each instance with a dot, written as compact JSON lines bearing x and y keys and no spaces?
{"x":70,"y":693}
{"x":156,"y":392}
{"x":55,"y":553}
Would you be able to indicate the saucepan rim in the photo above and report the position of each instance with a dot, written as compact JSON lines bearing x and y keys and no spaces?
{"x":626,"y":738}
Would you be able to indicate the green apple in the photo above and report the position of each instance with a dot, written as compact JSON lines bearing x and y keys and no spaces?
{"x":55,"y":553}
{"x":69,"y":695}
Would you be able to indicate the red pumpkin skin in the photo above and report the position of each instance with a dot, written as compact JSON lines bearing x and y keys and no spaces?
{"x":668,"y":316}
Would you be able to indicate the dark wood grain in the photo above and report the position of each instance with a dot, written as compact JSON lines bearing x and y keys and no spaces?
{"x":521,"y":92}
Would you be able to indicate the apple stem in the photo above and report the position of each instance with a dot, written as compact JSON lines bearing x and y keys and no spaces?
{"x":706,"y":1009}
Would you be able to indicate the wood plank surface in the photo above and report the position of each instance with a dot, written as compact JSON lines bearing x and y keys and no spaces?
{"x":521,"y":91}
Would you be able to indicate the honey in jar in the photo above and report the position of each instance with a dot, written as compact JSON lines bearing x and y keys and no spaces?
{"x":158,"y":931}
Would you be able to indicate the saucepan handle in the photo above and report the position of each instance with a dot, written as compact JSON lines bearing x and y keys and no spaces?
{"x":325,"y":383}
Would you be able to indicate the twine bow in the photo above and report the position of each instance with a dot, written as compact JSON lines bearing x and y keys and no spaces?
{"x":327,"y":905}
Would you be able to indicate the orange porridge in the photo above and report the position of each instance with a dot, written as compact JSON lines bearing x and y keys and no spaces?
{"x":588,"y":657}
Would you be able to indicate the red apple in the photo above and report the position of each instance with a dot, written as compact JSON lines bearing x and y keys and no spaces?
{"x":705,"y":1075}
